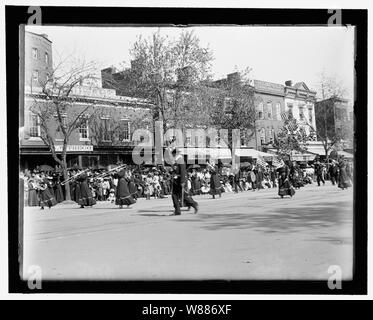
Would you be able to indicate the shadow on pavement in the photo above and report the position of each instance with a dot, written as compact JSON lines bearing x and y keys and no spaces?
{"x":284,"y":220}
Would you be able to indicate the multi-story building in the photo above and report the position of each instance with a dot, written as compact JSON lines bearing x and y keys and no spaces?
{"x":269,"y":104}
{"x":300,"y":102}
{"x":38,"y":59}
{"x":104,"y":139}
{"x":334,"y":117}
{"x":271,"y":100}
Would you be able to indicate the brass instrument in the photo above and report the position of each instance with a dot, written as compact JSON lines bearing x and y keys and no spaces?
{"x":73,"y":177}
{"x":114,"y":170}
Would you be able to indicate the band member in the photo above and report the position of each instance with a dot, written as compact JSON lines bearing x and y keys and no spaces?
{"x":344,"y":180}
{"x":86,"y":198}
{"x":319,"y":173}
{"x":123,"y":195}
{"x":215,"y":186}
{"x":179,"y":192}
{"x":284,"y":186}
{"x":33,"y":200}
{"x":46,"y":198}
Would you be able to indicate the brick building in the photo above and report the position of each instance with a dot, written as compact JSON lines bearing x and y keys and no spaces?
{"x":107,"y":135}
{"x":269,"y":103}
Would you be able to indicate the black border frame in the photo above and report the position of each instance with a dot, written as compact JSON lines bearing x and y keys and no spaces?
{"x":17,"y":15}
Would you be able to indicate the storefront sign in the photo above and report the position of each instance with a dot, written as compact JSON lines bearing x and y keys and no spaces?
{"x":75,"y":148}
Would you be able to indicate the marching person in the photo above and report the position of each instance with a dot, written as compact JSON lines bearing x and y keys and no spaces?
{"x":86,"y":198}
{"x":284,"y":186}
{"x":123,"y":195}
{"x":319,"y":169}
{"x":46,"y":198}
{"x":179,"y":185}
{"x":215,"y":185}
{"x":344,"y":180}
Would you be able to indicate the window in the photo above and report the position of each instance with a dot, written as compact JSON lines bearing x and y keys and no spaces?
{"x":262,"y":136}
{"x":290,"y":108}
{"x":126,"y":134}
{"x":106,"y":129}
{"x":260,"y":110}
{"x":83,"y":129}
{"x":310,"y":117}
{"x":46,"y":58}
{"x":301,"y":113}
{"x":278,"y":111}
{"x":34,"y":125}
{"x":35,"y":53}
{"x":35,"y":75}
{"x":269,"y":110}
{"x":271,"y":135}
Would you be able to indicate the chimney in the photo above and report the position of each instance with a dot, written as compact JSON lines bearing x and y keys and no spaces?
{"x":289,"y":83}
{"x":233,"y":78}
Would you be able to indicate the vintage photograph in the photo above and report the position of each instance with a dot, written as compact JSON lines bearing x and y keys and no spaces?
{"x":207,"y":152}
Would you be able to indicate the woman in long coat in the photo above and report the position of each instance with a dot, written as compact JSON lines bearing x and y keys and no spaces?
{"x":123,"y":195}
{"x":33,"y":200}
{"x":86,"y":197}
{"x":215,"y":185}
{"x":58,"y":192}
{"x":46,"y":198}
{"x":284,"y":186}
{"x":344,"y":180}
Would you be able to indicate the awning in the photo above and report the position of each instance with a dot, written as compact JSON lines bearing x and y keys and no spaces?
{"x":316,"y":150}
{"x":213,"y":153}
{"x":252,"y":153}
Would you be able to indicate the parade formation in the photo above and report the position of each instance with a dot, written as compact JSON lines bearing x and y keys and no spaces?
{"x":124,"y":184}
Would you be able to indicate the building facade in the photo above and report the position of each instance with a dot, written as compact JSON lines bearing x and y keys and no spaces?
{"x":106,"y":136}
{"x":269,"y":104}
{"x":335,"y":116}
{"x":38,"y":59}
{"x":300,"y":101}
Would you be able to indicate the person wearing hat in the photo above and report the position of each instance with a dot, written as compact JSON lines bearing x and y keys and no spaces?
{"x":215,"y":185}
{"x":123,"y":195}
{"x":86,"y":197}
{"x":178,"y":187}
{"x":284,"y":186}
{"x":319,"y":168}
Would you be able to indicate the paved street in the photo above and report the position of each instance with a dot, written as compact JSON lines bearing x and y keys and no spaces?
{"x":250,"y":235}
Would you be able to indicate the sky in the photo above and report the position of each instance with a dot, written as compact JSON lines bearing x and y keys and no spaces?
{"x":275,"y":54}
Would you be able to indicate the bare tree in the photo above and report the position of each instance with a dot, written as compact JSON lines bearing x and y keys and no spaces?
{"x":234,"y":106}
{"x":55,"y":108}
{"x":327,"y":132}
{"x":329,"y":86}
{"x":332,"y":91}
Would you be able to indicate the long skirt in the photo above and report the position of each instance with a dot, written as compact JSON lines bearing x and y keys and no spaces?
{"x":47,"y":199}
{"x":59,"y":194}
{"x":33,"y":200}
{"x":215,"y":186}
{"x":285,"y":188}
{"x":123,"y":195}
{"x":86,"y":198}
{"x":344,"y":181}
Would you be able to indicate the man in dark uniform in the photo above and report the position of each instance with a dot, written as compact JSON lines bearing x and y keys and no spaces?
{"x":319,"y":173}
{"x":178,"y":185}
